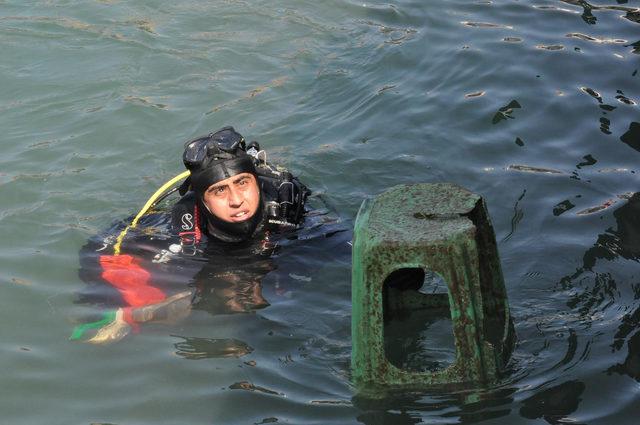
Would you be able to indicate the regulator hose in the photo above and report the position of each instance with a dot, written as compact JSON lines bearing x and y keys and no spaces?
{"x":145,"y":208}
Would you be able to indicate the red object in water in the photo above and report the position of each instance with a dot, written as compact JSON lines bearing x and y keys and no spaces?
{"x":130,"y":279}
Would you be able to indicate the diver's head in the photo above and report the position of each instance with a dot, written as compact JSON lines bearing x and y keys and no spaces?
{"x":224,"y":178}
{"x":235,"y":199}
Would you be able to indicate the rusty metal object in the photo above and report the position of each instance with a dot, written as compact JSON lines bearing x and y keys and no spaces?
{"x":439,"y":228}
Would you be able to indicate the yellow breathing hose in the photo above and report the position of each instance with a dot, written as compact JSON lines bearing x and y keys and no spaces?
{"x":154,"y":197}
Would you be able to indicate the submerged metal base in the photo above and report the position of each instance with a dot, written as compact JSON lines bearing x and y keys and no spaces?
{"x":441,"y":228}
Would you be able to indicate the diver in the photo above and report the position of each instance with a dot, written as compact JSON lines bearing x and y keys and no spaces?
{"x":234,"y":193}
{"x":232,"y":201}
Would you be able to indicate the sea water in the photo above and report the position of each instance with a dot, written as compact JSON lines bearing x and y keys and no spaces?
{"x":532,"y":104}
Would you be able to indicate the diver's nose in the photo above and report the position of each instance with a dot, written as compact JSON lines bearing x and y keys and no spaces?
{"x":235,"y":198}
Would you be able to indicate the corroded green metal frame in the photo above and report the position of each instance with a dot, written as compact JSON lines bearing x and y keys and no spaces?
{"x":441,"y":228}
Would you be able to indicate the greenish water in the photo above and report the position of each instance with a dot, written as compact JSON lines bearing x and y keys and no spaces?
{"x":97,"y":97}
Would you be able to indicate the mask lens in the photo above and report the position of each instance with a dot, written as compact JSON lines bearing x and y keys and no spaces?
{"x":195,"y":152}
{"x":228,"y":140}
{"x":223,"y":142}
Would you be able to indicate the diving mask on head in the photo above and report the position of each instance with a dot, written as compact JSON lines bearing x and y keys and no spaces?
{"x":214,"y":158}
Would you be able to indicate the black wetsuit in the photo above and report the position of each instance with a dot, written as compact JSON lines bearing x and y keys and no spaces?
{"x":169,"y":253}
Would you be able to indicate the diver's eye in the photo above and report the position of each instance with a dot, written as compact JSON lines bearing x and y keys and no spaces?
{"x":217,"y":191}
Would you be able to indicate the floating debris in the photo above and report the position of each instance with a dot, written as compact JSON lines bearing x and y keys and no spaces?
{"x":519,"y":141}
{"x":267,"y":421}
{"x":550,"y":47}
{"x":505,"y":112}
{"x":585,"y":37}
{"x":144,"y":25}
{"x":247,"y":386}
{"x":474,"y":94}
{"x":512,"y":39}
{"x":581,"y":36}
{"x":606,"y":204}
{"x":484,"y":25}
{"x":625,"y":100}
{"x":562,"y":207}
{"x":591,"y":92}
{"x":588,"y":160}
{"x":145,"y":102}
{"x":605,"y":123}
{"x":385,"y":88}
{"x":529,"y":169}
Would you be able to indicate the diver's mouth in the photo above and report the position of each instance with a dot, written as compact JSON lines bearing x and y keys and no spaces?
{"x":241,"y":216}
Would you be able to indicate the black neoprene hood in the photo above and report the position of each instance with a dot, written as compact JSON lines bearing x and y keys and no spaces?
{"x":218,"y":169}
{"x":216,"y":157}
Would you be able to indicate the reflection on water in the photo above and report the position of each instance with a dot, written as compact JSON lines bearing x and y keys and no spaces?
{"x":194,"y":348}
{"x":601,"y":292}
{"x":554,"y":404}
{"x":631,"y":364}
{"x":621,"y":242}
{"x":235,"y":287}
{"x":436,"y":405}
{"x":632,"y":136}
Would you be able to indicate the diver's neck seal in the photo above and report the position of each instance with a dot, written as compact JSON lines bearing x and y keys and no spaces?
{"x":232,"y":232}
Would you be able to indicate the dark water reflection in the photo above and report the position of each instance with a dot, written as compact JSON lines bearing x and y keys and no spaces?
{"x":449,"y":407}
{"x":194,"y":348}
{"x":620,"y":242}
{"x":554,"y":404}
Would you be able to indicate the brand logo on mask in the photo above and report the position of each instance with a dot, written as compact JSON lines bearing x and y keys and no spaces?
{"x":187,"y":221}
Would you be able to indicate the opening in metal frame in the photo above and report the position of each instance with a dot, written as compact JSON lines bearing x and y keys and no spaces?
{"x":418,"y":331}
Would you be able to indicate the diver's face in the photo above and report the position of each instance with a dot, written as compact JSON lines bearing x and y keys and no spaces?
{"x":234,"y":199}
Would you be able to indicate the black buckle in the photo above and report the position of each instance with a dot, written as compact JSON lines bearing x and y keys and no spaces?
{"x":188,"y":243}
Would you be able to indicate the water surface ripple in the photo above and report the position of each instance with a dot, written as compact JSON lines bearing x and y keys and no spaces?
{"x":534,"y":105}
